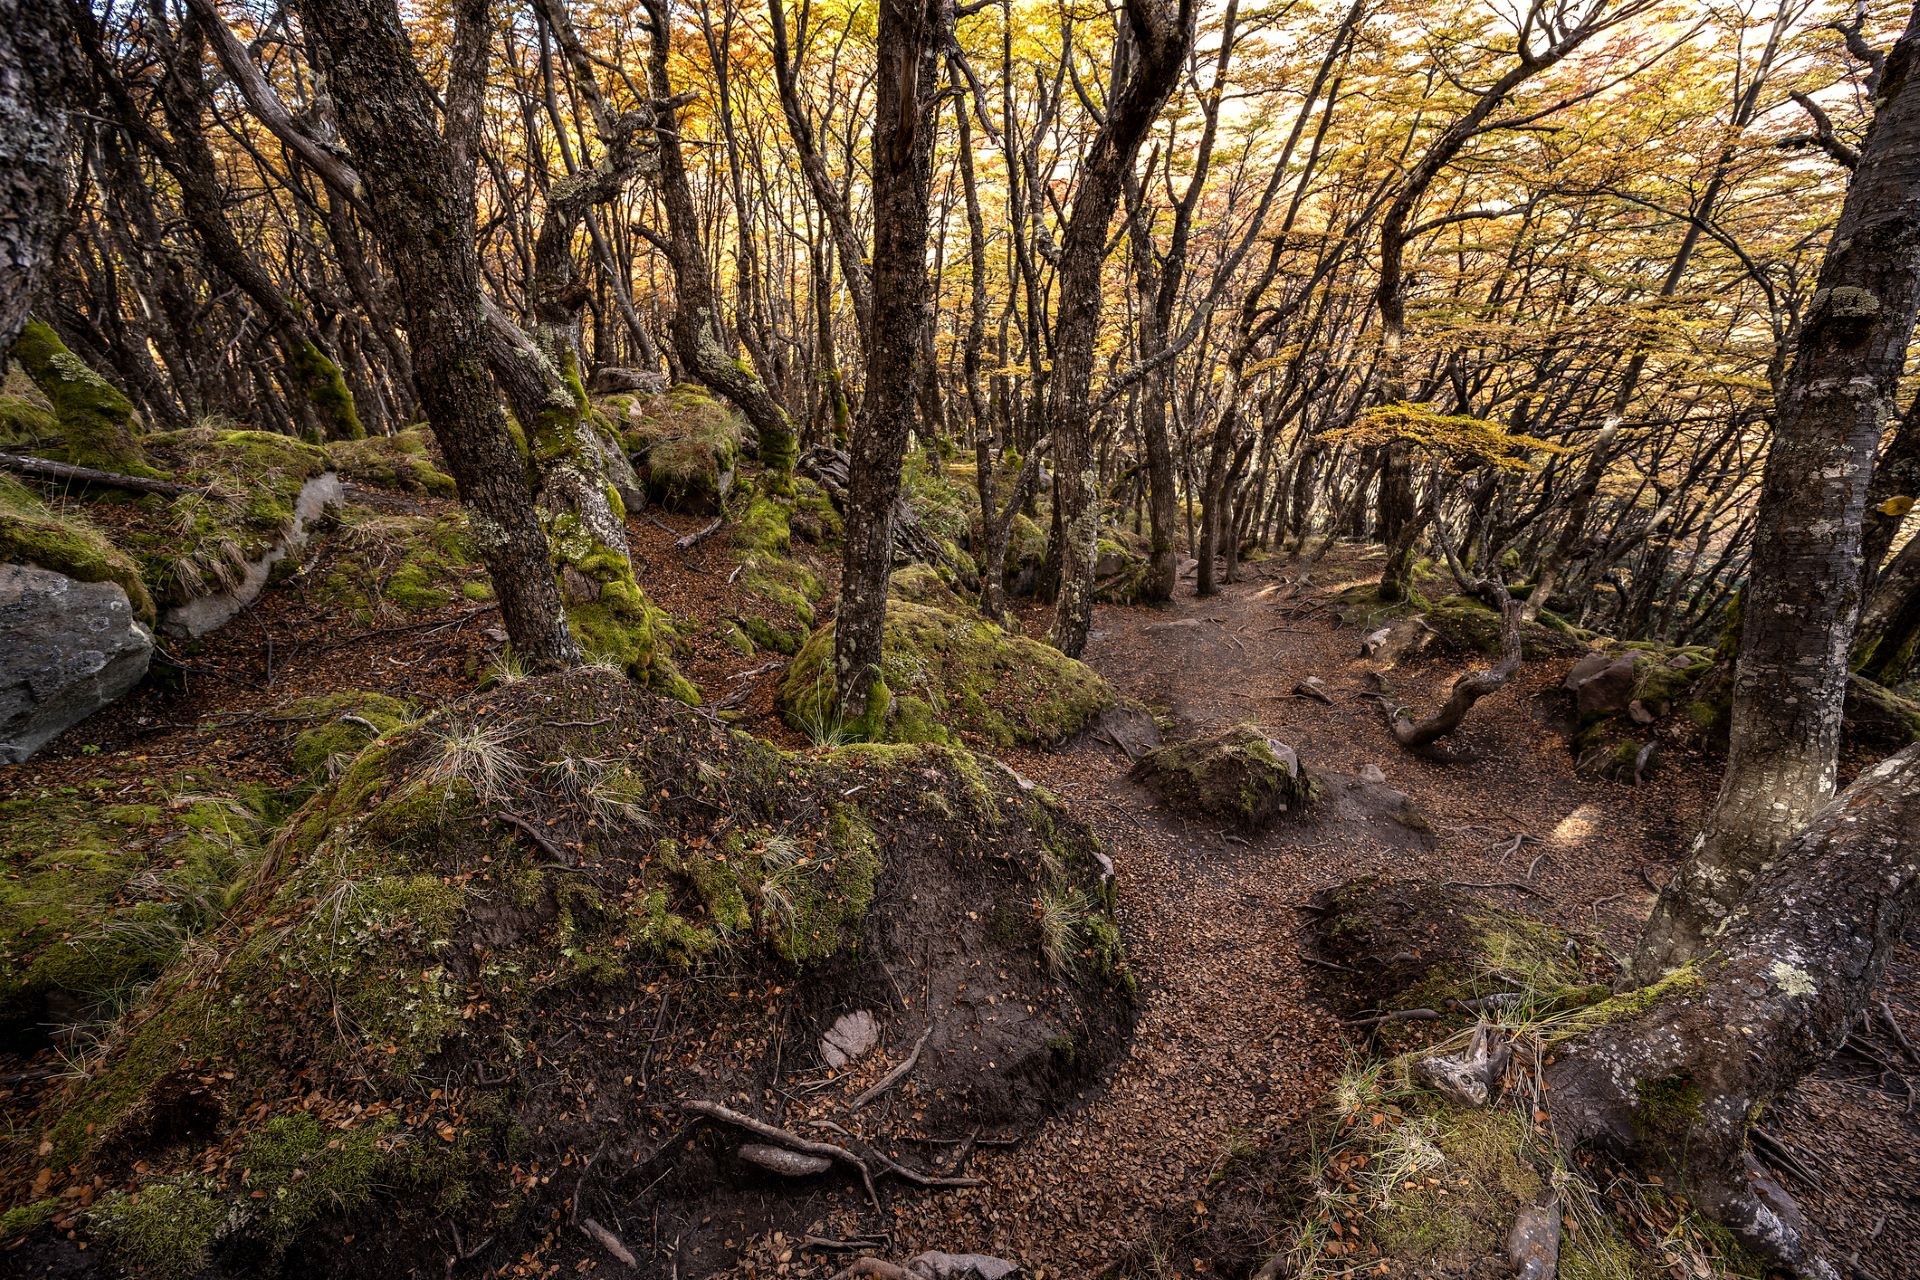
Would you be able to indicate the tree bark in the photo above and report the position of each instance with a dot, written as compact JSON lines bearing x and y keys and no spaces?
{"x":421,"y":205}
{"x":1674,"y":1088}
{"x":1803,"y":596}
{"x":39,"y":83}
{"x":911,"y":36}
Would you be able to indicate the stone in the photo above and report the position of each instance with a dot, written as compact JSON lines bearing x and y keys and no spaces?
{"x":1239,"y":774}
{"x":1397,"y":640}
{"x":1601,"y":683}
{"x":780,"y":1160}
{"x":1373,"y":773}
{"x":961,"y":1266}
{"x":851,"y":1037}
{"x":613,"y":380}
{"x":202,"y":614}
{"x":67,"y":648}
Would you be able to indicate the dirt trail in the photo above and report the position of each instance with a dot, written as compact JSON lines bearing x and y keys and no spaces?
{"x":1229,"y":1046}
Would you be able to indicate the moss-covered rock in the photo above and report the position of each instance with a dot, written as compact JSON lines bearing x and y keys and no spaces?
{"x":945,"y":676}
{"x":401,"y":461}
{"x":247,"y":485}
{"x":559,"y":901}
{"x":27,"y":420}
{"x":66,"y":542}
{"x":1239,"y":774}
{"x":685,"y":444}
{"x":99,"y":892}
{"x":1465,"y":625}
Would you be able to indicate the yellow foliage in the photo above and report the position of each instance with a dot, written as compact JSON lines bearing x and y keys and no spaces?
{"x":1464,"y":440}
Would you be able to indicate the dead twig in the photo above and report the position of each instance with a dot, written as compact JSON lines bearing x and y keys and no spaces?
{"x":610,"y":1242}
{"x":896,"y":1075}
{"x":699,"y":536}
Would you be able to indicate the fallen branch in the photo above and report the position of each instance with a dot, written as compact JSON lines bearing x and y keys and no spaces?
{"x":533,"y":833}
{"x":699,"y":536}
{"x":896,"y":1075}
{"x":47,"y":469}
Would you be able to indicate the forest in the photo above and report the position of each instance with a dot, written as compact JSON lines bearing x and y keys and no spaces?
{"x":960,"y":639}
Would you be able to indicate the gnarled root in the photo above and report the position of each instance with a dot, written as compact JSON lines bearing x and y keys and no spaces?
{"x":1672,"y":1087}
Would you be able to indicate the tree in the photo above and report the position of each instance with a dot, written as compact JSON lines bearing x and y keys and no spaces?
{"x":1148,"y":52}
{"x":1802,"y":598}
{"x":39,"y":83}
{"x":419,"y":197}
{"x":912,"y":35}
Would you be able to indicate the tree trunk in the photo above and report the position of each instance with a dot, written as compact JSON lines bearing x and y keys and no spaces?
{"x":1803,"y":596}
{"x":422,"y":208}
{"x":39,"y":79}
{"x":1148,"y":55}
{"x":1673,"y":1089}
{"x":911,"y":37}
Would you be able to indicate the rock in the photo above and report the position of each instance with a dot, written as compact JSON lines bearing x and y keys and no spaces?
{"x":1313,"y":687}
{"x":1397,"y":640}
{"x":611,"y":380}
{"x":1373,"y":773}
{"x":1240,"y":774}
{"x":851,"y":1037}
{"x":202,"y":614}
{"x":962,"y":1266}
{"x":67,"y":648}
{"x":1638,"y":713}
{"x":1128,"y":727}
{"x":780,"y":1160}
{"x":1601,"y":683}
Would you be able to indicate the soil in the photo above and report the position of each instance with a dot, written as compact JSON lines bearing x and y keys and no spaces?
{"x":1232,"y":1047}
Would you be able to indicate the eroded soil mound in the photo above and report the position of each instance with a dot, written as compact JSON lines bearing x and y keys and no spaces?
{"x":481,"y":974}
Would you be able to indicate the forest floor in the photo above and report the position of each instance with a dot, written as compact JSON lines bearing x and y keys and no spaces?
{"x":1231,"y":1050}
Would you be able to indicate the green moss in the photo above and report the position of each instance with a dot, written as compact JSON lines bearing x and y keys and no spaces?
{"x":948,"y":674}
{"x":22,"y":1218}
{"x":1665,"y":1111}
{"x":381,"y":568}
{"x":98,"y":897}
{"x":295,"y":1171}
{"x":1483,"y":1178}
{"x":166,"y":1230}
{"x":95,"y":420}
{"x":319,"y":379}
{"x":686,"y":443}
{"x":1237,"y":774}
{"x":66,"y":543}
{"x":829,"y":901}
{"x":25,"y":422}
{"x":783,"y":590}
{"x":341,"y":724}
{"x":400,"y":461}
{"x":1631,"y":1004}
{"x":815,"y":519}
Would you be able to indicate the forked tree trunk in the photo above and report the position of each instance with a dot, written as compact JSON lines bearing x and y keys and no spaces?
{"x":1673,"y":1089}
{"x":1803,"y":596}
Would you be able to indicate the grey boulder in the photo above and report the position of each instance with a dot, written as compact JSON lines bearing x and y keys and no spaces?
{"x":67,"y":648}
